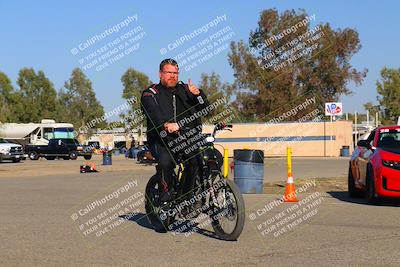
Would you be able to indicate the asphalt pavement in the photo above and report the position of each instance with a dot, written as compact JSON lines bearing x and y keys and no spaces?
{"x":48,"y":220}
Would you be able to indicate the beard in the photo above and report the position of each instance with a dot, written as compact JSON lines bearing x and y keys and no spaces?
{"x":169,"y":82}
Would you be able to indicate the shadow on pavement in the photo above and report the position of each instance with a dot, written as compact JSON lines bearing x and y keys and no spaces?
{"x":185,"y":227}
{"x":344,"y":196}
{"x":139,"y":218}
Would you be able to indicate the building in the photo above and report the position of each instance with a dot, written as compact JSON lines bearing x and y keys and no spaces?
{"x":322,"y":139}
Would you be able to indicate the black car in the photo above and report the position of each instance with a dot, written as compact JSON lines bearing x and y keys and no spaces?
{"x":62,"y":148}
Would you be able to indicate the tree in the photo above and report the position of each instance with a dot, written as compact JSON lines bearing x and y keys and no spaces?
{"x":37,"y":96}
{"x":7,"y":99}
{"x":79,"y":103}
{"x":389,"y":95}
{"x":134,"y":83}
{"x":28,"y":96}
{"x":47,"y":96}
{"x":215,"y":90}
{"x":371,"y":108}
{"x":286,"y":61}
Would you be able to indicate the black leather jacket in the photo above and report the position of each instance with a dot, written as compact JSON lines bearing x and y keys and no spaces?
{"x":161,"y":104}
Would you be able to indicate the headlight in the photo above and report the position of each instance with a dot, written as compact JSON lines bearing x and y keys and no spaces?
{"x":391,"y":164}
{"x":210,"y":139}
{"x":5,"y":150}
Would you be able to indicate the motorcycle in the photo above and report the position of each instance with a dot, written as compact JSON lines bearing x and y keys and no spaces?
{"x":200,"y":187}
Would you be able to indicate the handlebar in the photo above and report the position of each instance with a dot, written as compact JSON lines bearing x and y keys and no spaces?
{"x":217,"y":127}
{"x":222,"y":126}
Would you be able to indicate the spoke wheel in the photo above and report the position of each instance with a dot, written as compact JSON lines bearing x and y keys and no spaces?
{"x":227,"y":210}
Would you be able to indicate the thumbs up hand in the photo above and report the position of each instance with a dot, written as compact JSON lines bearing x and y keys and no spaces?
{"x":192,"y":88}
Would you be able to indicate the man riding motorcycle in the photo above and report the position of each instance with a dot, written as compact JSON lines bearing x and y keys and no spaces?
{"x":169,"y":106}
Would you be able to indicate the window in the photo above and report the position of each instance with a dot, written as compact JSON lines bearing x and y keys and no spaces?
{"x":64,"y":133}
{"x":390,"y":138}
{"x":48,"y":133}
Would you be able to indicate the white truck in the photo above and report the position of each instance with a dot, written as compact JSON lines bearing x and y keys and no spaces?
{"x":10,"y":151}
{"x":35,"y":133}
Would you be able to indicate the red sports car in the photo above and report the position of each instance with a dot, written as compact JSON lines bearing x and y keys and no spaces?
{"x":375,"y":165}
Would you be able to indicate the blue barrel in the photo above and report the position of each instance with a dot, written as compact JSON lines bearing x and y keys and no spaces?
{"x":249,"y":170}
{"x":345,"y":151}
{"x":107,"y":158}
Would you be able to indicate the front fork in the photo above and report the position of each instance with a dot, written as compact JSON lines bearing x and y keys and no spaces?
{"x":225,"y":176}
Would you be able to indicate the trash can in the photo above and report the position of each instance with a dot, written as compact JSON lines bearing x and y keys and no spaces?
{"x":107,"y":158}
{"x":249,"y":170}
{"x":345,"y":151}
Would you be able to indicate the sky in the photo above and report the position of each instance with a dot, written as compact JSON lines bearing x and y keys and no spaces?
{"x":53,"y":36}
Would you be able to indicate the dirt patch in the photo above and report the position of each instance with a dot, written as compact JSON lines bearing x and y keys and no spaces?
{"x":321,"y":185}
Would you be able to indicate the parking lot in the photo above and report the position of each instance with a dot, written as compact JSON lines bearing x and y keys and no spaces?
{"x":39,"y":199}
{"x":274,"y":168}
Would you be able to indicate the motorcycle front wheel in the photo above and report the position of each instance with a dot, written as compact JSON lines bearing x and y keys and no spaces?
{"x":227,"y":210}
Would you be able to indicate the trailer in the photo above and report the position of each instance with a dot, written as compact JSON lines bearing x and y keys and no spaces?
{"x":35,"y":133}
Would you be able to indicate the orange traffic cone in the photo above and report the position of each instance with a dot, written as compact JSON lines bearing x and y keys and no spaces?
{"x":87,"y":163}
{"x":290,"y":190}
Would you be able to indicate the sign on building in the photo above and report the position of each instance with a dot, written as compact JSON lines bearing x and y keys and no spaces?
{"x":333,"y":109}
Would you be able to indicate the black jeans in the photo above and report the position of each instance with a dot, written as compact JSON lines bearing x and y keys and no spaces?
{"x":165,"y":167}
